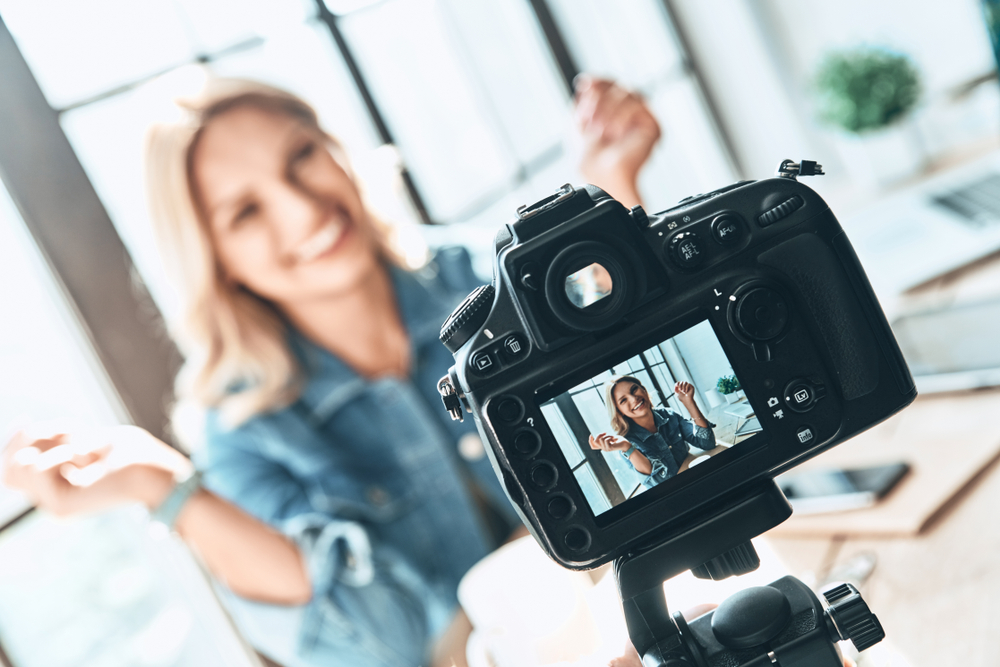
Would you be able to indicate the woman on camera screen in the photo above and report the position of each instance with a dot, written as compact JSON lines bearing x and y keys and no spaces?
{"x":655,"y":441}
{"x":336,"y":501}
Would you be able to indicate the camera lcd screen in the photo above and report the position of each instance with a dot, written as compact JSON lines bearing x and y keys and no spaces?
{"x":650,"y":417}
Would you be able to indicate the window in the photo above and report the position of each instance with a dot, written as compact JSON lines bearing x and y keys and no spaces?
{"x":474,"y":96}
{"x":96,"y":591}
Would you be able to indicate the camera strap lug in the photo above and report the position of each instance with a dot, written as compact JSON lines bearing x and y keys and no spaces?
{"x":450,"y":398}
{"x":792,"y":169}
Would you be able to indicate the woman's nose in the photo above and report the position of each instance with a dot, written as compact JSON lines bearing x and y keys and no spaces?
{"x":297,"y":214}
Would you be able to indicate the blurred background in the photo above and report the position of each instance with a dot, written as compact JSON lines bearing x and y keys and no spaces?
{"x":455,"y":113}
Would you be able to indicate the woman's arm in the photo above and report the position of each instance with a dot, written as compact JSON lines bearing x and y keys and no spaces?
{"x":640,"y":462}
{"x":685,"y":394}
{"x":697,"y":431}
{"x":619,"y":133}
{"x":96,"y":471}
{"x":609,"y":443}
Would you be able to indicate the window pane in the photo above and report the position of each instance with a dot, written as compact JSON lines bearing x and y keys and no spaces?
{"x":303,"y":60}
{"x":48,"y":372}
{"x":592,"y":490}
{"x":623,"y":471}
{"x":99,"y":592}
{"x":629,"y":40}
{"x":219,"y":24}
{"x":437,"y":115}
{"x":560,"y":431}
{"x":516,"y":72}
{"x":79,"y":49}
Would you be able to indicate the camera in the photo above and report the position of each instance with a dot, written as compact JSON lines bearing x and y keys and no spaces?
{"x":593,"y":363}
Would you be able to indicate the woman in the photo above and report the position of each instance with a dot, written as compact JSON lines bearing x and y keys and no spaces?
{"x":336,"y":504}
{"x":655,"y":441}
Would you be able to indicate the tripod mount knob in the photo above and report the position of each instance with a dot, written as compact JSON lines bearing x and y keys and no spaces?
{"x":849,"y":617}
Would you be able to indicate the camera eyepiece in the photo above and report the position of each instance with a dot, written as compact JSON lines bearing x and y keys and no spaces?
{"x":589,"y":286}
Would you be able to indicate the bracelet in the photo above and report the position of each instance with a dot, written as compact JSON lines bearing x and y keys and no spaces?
{"x":628,"y":452}
{"x":167,"y":512}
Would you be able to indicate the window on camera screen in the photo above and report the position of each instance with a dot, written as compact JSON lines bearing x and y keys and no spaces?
{"x":651,"y":417}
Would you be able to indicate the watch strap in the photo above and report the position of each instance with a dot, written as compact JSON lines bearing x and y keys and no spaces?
{"x":168,"y":511}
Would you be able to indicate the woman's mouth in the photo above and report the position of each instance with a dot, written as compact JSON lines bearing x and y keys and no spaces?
{"x":323,"y":241}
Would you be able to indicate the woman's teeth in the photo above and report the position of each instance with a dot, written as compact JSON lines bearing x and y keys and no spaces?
{"x":320,"y":242}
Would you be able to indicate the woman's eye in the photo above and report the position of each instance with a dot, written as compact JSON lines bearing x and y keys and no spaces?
{"x":304,"y":153}
{"x":245,"y":213}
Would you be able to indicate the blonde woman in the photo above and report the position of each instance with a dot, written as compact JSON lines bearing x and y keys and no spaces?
{"x":655,"y":441}
{"x":332,"y":498}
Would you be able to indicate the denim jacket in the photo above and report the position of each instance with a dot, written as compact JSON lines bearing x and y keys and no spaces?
{"x":366,"y":477}
{"x":668,"y":446}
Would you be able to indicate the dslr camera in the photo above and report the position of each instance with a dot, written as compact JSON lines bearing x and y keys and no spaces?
{"x":642,"y":378}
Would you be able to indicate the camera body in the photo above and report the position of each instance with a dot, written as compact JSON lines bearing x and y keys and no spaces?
{"x":756,"y":280}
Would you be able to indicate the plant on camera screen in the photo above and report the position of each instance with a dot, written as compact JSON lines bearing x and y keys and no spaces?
{"x":727,"y":384}
{"x":866,"y":88}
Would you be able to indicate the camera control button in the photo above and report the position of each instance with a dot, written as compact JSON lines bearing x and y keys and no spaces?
{"x":687,"y":251}
{"x":513,"y":346}
{"x":483,"y":362}
{"x":544,"y":475}
{"x":801,"y":396}
{"x":510,"y":410}
{"x":527,"y":442}
{"x":805,"y":434}
{"x":531,"y":276}
{"x":577,"y":539}
{"x":727,"y":230}
{"x":761,"y":314}
{"x":560,"y":507}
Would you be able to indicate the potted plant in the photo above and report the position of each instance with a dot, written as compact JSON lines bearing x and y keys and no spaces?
{"x":868,"y":93}
{"x":729,"y":387}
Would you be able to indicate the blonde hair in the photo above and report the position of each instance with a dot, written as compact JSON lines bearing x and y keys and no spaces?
{"x":619,"y":422}
{"x":235,"y":343}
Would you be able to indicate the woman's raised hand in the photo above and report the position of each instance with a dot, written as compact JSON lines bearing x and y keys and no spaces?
{"x":619,"y":132}
{"x":685,"y":392}
{"x":89,"y":469}
{"x":609,"y":443}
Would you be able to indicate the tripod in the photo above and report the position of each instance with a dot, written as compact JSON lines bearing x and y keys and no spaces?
{"x":783,"y":623}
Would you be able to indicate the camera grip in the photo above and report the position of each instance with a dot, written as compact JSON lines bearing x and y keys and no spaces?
{"x":828,"y":294}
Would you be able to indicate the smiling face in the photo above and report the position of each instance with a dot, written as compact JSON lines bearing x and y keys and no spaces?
{"x":285,"y":218}
{"x":631,"y":399}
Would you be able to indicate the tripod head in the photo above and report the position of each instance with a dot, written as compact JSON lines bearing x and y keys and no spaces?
{"x":783,"y":623}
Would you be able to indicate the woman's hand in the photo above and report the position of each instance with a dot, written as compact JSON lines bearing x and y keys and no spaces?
{"x":91,"y":469}
{"x":685,"y":393}
{"x":619,"y":133}
{"x":609,"y":443}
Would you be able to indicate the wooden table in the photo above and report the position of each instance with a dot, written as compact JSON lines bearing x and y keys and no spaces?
{"x":935,"y":592}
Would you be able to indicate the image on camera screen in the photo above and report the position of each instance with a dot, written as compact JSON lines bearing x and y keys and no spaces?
{"x":651,"y":417}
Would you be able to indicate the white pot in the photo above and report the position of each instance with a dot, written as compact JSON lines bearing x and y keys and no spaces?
{"x":733,"y":397}
{"x":880,"y":158}
{"x":714,"y":398}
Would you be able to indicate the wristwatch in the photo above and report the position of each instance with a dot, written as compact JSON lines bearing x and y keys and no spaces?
{"x":628,"y":452}
{"x":167,"y":512}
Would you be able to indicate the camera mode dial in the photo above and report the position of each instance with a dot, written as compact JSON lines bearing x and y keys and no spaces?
{"x":468,"y":318}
